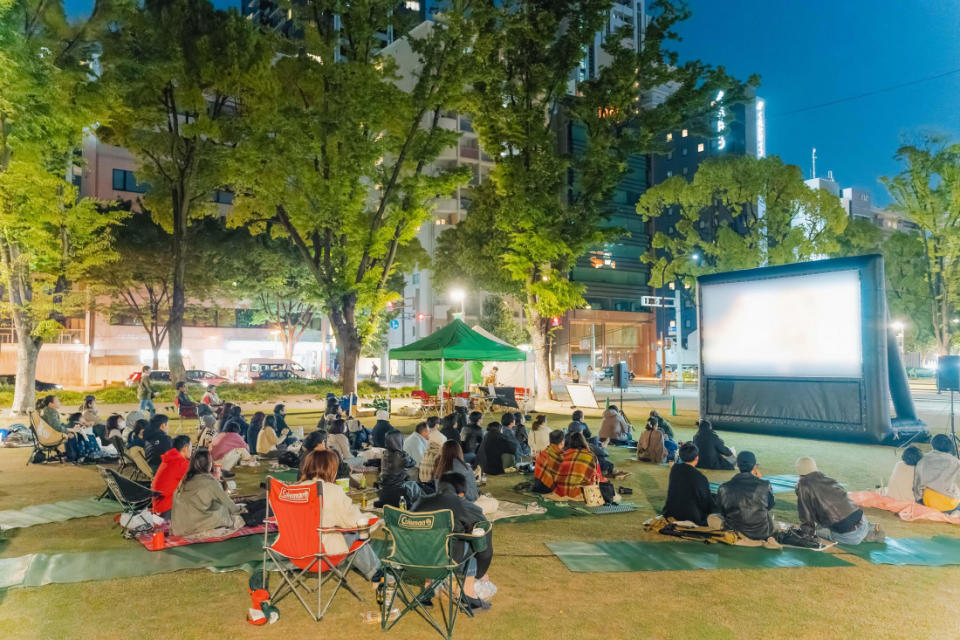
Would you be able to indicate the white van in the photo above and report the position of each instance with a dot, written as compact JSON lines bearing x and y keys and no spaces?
{"x":250,"y":368}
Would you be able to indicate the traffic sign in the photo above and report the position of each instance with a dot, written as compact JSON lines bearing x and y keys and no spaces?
{"x":394,"y":324}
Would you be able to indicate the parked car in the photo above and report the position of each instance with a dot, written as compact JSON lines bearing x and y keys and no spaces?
{"x":279,"y":374}
{"x":155,"y":376}
{"x":251,"y":369}
{"x":39,"y":385}
{"x":205,"y":378}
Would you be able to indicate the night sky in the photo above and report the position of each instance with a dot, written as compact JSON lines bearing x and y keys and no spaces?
{"x":818,"y":51}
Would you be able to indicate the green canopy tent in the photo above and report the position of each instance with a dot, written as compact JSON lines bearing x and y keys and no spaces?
{"x":458,"y":342}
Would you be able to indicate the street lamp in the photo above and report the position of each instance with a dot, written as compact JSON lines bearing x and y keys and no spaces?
{"x":898,"y":327}
{"x":458,"y":295}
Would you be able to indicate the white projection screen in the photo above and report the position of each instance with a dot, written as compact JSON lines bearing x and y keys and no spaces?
{"x":798,"y":326}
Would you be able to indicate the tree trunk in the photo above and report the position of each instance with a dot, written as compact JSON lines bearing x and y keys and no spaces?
{"x":288,"y":342}
{"x":178,"y":296}
{"x":156,"y":358}
{"x":349,"y":346}
{"x":538,"y":339}
{"x":28,"y":350}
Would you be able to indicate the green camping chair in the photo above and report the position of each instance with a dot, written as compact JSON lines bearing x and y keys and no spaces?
{"x":421,"y":561}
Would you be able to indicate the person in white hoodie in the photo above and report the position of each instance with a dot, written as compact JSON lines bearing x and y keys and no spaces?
{"x":936,"y":482}
{"x":901,"y":480}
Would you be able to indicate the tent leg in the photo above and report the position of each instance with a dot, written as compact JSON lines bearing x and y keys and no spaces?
{"x":388,"y":384}
{"x":440,"y":390}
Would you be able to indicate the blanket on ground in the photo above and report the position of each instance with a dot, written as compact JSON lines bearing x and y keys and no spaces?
{"x":908,"y":511}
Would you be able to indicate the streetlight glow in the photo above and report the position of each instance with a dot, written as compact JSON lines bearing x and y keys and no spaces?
{"x":459,"y":295}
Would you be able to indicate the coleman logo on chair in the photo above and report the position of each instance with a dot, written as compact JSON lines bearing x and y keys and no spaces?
{"x":416,"y":522}
{"x":288,"y":494}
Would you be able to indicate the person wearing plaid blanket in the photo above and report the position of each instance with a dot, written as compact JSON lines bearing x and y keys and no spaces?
{"x":578,"y":468}
{"x":548,"y":463}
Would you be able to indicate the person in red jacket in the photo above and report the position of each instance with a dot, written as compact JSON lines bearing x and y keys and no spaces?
{"x":173,"y":466}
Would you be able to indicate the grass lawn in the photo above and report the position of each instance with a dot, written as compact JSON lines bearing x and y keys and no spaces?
{"x":538,"y":597}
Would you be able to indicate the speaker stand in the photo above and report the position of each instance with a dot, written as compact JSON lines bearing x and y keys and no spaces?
{"x":953,"y":430}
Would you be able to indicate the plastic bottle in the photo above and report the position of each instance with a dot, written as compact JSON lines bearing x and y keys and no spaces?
{"x":403,"y":503}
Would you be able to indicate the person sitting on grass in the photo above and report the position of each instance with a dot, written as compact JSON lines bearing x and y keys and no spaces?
{"x":207,"y":429}
{"x":451,"y":489}
{"x":90,"y":416}
{"x":203,"y":509}
{"x":156,"y":441}
{"x":269,"y":442}
{"x":415,"y":444}
{"x":395,"y":482}
{"x":449,"y":427}
{"x":253,"y":431}
{"x":228,"y":448}
{"x":577,"y":424}
{"x":471,"y":436}
{"x":337,"y":440}
{"x":381,"y":428}
{"x":539,"y":435}
{"x":236,"y":416}
{"x":84,"y":440}
{"x":548,"y":461}
{"x":662,"y":424}
{"x":713,"y":453}
{"x":936,"y":483}
{"x":495,"y":451}
{"x":226,"y":411}
{"x":615,"y":427}
{"x":901,"y":480}
{"x":746,"y":499}
{"x":507,"y":424}
{"x":451,"y":461}
{"x":650,"y":446}
{"x":173,"y":466}
{"x":826,"y":510}
{"x":578,"y":468}
{"x":688,"y":491}
{"x":436,"y":440}
{"x":520,"y":432}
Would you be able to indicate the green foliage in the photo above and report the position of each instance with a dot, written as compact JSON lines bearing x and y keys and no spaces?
{"x":927,"y":192}
{"x":721,"y":227}
{"x":497,"y":318}
{"x":337,"y":139}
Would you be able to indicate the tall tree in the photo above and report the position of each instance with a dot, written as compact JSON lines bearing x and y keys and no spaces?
{"x":739,"y":212}
{"x":341,"y":142}
{"x":180,"y":69}
{"x":532,"y":220}
{"x":47,"y":234}
{"x":497,"y":318}
{"x":927,"y":192}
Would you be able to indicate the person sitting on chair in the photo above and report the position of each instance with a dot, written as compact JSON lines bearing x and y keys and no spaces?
{"x":615,"y":427}
{"x":449,"y":428}
{"x":466,"y":515}
{"x":381,"y":428}
{"x":688,"y":491}
{"x":901,"y":480}
{"x":494,"y":450}
{"x":84,"y":439}
{"x":210,"y":397}
{"x":826,"y":510}
{"x":228,"y":448}
{"x":253,"y":431}
{"x":203,"y":509}
{"x":188,"y":407}
{"x":338,"y":441}
{"x":415,"y":444}
{"x":548,"y":462}
{"x":338,"y":511}
{"x":135,"y":438}
{"x":577,"y":424}
{"x":713,"y":453}
{"x":578,"y":468}
{"x":395,"y":482}
{"x":650,"y":446}
{"x":471,"y":436}
{"x":173,"y":466}
{"x":936,"y":482}
{"x":662,"y":424}
{"x":746,"y":499}
{"x":451,"y":461}
{"x":156,"y":441}
{"x":115,"y":427}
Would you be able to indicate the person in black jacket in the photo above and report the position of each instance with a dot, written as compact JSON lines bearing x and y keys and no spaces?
{"x":471,"y":436}
{"x":449,"y":495}
{"x":253,"y":431}
{"x":492,"y":449}
{"x":507,"y":425}
{"x":156,"y":441}
{"x":449,"y":427}
{"x":577,"y":424}
{"x":713,"y":453}
{"x":381,"y":428}
{"x":395,"y":482}
{"x":746,"y":499}
{"x":688,"y":493}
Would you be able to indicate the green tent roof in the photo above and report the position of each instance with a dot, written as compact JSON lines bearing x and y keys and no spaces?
{"x":457,"y":341}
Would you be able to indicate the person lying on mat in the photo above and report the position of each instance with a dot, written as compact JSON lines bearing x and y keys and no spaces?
{"x":156,"y":441}
{"x":826,"y":510}
{"x":615,"y":427}
{"x":713,"y":453}
{"x":577,"y":424}
{"x":548,"y":462}
{"x":746,"y":499}
{"x":578,"y":467}
{"x":650,"y":447}
{"x":450,"y":495}
{"x":228,"y":448}
{"x":937,"y":480}
{"x":494,"y":450}
{"x":203,"y":509}
{"x":173,"y":466}
{"x":662,"y":424}
{"x":339,"y":511}
{"x":901,"y":480}
{"x":688,"y":492}
{"x":415,"y":444}
{"x":395,"y":482}
{"x":451,"y":461}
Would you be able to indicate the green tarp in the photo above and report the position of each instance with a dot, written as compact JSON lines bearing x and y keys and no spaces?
{"x":780,"y":484}
{"x":56,"y":512}
{"x":454,"y":378}
{"x":682,"y":556}
{"x":457,"y":341}
{"x":938,"y":551}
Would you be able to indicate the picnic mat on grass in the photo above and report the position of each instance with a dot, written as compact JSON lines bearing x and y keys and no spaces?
{"x":567,"y":509}
{"x":938,"y":551}
{"x":780,"y":484}
{"x":38,"y":569}
{"x":907,"y":511}
{"x":169,"y":541}
{"x":56,"y":512}
{"x":682,"y":556}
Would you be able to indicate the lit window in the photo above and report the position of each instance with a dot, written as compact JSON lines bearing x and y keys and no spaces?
{"x":683,"y":134}
{"x":669,"y":137}
{"x":700,"y":148}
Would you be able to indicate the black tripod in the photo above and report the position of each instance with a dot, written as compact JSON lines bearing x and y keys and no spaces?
{"x":953,"y":430}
